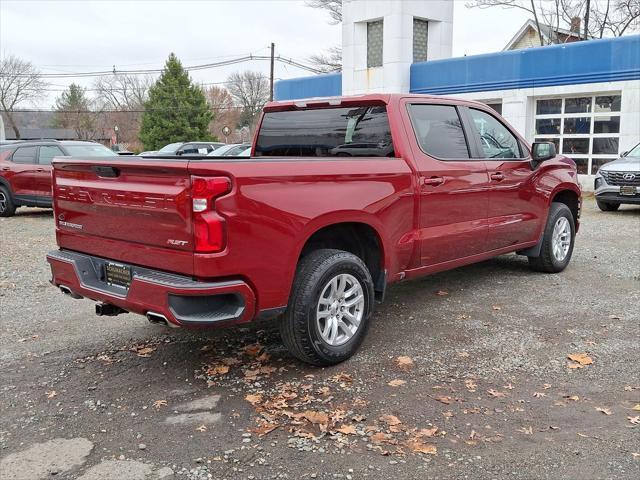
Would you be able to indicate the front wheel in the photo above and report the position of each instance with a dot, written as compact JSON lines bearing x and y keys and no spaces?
{"x":330,"y":307}
{"x":608,"y":206}
{"x":557,"y":241}
{"x":7,"y":208}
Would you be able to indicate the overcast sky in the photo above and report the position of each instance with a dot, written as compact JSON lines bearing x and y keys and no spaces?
{"x":85,"y":35}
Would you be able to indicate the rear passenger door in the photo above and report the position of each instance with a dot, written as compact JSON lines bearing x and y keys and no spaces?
{"x":453,"y":186}
{"x":23,"y":180}
{"x":515,"y":214}
{"x":43,"y":172}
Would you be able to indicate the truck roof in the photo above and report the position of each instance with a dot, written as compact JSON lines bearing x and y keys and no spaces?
{"x":346,"y":100}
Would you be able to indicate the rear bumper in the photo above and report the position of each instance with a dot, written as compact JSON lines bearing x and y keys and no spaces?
{"x":181,"y":300}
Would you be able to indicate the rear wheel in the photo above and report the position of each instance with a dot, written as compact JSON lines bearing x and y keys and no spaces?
{"x":608,"y":206}
{"x":7,"y":208}
{"x":329,"y":309}
{"x":557,"y":241}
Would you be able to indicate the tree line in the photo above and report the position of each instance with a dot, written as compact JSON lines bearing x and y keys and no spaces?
{"x":148,"y":113}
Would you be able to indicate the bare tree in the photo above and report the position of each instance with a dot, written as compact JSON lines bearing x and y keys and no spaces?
{"x":225,"y":113}
{"x":250,"y":91}
{"x":122,"y":92}
{"x":331,"y":59}
{"x":599,"y":18}
{"x":20,"y":82}
{"x":333,"y":7}
{"x":120,"y":100}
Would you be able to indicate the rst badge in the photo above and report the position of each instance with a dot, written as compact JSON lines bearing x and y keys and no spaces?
{"x":177,"y":243}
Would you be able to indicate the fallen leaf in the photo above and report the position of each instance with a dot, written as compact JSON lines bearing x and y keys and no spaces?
{"x":253,"y":399}
{"x":634,"y":420}
{"x":636,"y":407}
{"x":145,"y":351}
{"x":252,"y":350}
{"x":427,"y":432}
{"x":390,"y":420}
{"x":381,"y":438}
{"x":539,"y":394}
{"x":201,"y":428}
{"x":444,"y":399}
{"x":463,"y":354}
{"x":442,"y":293}
{"x":614,"y":317}
{"x":265,"y":428}
{"x":470,"y":385}
{"x":263,"y":357}
{"x":160,"y":403}
{"x":217,"y":370}
{"x":635,"y":454}
{"x":526,"y":430}
{"x":347,"y":429}
{"x":396,"y":383}
{"x":51,"y":394}
{"x":342,"y":378}
{"x":318,"y":418}
{"x":573,"y":366}
{"x":448,"y":414}
{"x":496,"y":393}
{"x":404,"y":362}
{"x":496,"y":307}
{"x":574,"y":398}
{"x":580,"y":358}
{"x":604,"y":410}
{"x":419,"y":447}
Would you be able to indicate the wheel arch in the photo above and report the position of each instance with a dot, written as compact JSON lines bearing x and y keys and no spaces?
{"x":356,"y":236}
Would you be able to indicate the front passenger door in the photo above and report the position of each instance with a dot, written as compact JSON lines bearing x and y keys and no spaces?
{"x":453,"y":186}
{"x":515,"y":212}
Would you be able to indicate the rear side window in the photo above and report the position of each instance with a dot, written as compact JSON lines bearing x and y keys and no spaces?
{"x":25,"y":155}
{"x":47,"y":152}
{"x":439,"y":131}
{"x":326,"y":132}
{"x":496,"y":139}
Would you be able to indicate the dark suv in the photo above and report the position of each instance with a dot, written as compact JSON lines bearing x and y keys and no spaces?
{"x":25,"y":170}
{"x":184,"y":148}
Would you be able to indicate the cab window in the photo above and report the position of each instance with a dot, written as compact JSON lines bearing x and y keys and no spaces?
{"x":439,"y":132}
{"x":47,"y":152}
{"x":495,"y":139}
{"x":25,"y":155}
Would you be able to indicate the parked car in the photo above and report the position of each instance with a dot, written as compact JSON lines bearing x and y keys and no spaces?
{"x":184,"y":148}
{"x":618,"y":182}
{"x":25,"y":170}
{"x":121,"y":149}
{"x":230,"y":150}
{"x":306,"y":238}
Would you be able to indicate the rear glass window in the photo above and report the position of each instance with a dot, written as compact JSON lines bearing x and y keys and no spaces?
{"x":327,"y":132}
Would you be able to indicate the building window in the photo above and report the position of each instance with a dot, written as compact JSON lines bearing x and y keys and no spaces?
{"x":374,"y":44}
{"x":584,"y":128}
{"x":420,"y":36}
{"x":494,"y":104}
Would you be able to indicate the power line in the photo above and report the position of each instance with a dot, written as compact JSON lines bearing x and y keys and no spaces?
{"x":224,"y":63}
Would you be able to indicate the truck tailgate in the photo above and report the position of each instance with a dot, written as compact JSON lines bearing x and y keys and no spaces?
{"x":134,"y":210}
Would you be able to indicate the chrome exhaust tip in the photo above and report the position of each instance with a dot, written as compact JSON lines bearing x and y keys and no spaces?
{"x":159,"y":319}
{"x":67,"y":291}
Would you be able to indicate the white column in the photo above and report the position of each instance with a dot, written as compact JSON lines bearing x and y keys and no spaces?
{"x":397,"y":15}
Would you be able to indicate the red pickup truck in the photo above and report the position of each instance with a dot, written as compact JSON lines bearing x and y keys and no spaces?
{"x":340,"y":198}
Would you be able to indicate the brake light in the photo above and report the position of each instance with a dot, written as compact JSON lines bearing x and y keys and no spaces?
{"x":208,"y":227}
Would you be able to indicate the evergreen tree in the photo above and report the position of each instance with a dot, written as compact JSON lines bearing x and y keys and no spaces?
{"x":73,"y":111}
{"x":176,"y":110}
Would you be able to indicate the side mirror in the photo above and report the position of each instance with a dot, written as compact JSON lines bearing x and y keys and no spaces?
{"x":541,"y":151}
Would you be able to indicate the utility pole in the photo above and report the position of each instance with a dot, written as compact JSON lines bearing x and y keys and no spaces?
{"x":273,"y":48}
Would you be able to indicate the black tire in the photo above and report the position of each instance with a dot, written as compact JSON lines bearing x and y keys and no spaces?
{"x":547,"y":262}
{"x":608,"y":206}
{"x":7,"y":207}
{"x":299,"y":328}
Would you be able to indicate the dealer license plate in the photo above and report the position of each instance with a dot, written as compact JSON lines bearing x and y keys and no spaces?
{"x":628,"y":190}
{"x":117,"y":275}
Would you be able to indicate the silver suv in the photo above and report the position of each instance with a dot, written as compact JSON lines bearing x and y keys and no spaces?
{"x":618,"y":182}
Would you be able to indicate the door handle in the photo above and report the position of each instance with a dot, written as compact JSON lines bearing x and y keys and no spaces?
{"x":433,"y":181}
{"x":5,"y":169}
{"x":39,"y":169}
{"x":497,"y":176}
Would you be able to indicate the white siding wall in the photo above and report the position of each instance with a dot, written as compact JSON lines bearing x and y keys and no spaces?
{"x":518,"y":108}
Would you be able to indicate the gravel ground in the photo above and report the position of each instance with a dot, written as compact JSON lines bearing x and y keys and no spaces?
{"x":464,"y":374}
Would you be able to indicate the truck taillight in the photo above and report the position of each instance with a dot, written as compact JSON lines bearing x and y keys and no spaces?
{"x":208,"y":227}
